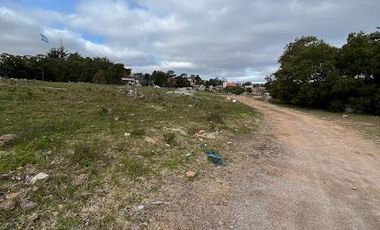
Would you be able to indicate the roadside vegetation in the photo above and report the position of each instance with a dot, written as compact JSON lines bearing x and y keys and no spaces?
{"x":315,"y":74}
{"x":104,"y":151}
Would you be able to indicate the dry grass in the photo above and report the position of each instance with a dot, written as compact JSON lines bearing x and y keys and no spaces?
{"x":92,"y":141}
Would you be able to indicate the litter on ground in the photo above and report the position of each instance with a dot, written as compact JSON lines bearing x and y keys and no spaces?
{"x":214,"y":157}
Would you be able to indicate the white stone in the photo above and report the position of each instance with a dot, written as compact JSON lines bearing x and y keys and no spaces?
{"x":39,"y":176}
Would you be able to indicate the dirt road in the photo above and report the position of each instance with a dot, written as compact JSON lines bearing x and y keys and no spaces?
{"x":296,"y":172}
{"x":325,"y":177}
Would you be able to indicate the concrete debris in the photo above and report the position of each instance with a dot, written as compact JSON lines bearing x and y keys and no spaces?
{"x":39,"y":176}
{"x":191,"y":174}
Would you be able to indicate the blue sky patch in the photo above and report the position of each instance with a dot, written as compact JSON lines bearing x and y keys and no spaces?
{"x":93,"y":38}
{"x":61,"y":6}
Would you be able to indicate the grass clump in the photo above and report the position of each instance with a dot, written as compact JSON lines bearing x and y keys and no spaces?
{"x":170,"y":138}
{"x":138,"y":133}
{"x":135,"y":168}
{"x":86,"y":154}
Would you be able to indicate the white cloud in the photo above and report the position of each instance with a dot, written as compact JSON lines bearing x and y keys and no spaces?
{"x":232,"y":39}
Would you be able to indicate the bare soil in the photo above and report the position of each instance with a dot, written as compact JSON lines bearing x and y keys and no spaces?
{"x":297,"y":172}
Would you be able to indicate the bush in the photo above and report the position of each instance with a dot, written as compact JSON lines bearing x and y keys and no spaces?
{"x":315,"y":74}
{"x":235,"y":90}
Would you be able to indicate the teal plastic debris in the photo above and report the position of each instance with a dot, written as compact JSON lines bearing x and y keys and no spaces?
{"x":214,"y":157}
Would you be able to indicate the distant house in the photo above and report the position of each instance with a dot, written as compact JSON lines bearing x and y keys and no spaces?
{"x":229,"y":84}
{"x":129,"y":81}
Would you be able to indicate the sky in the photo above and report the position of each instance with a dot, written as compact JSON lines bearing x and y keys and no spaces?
{"x":238,"y":40}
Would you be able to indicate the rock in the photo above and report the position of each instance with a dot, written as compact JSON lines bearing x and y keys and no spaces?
{"x":191,"y":174}
{"x":151,"y":140}
{"x":39,"y":176}
{"x":28,"y":205}
{"x":7,"y":138}
{"x":201,"y":131}
{"x":345,"y":116}
{"x":139,"y":208}
{"x":8,"y":204}
{"x":157,"y":202}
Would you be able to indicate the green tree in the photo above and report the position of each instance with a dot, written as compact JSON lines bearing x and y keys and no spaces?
{"x":100,"y":77}
{"x":160,"y":78}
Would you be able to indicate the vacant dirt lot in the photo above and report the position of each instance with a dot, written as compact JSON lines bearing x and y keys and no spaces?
{"x":326,"y":177}
{"x":297,"y":172}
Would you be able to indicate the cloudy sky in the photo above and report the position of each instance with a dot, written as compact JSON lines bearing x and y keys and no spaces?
{"x":234,"y":39}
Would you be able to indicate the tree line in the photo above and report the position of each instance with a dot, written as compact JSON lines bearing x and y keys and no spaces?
{"x":59,"y":65}
{"x":168,"y":79}
{"x":315,"y":74}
